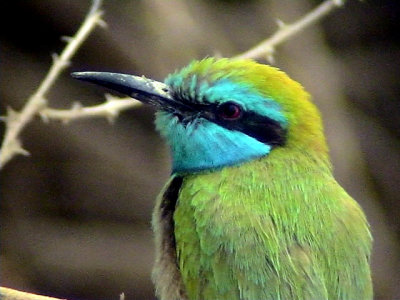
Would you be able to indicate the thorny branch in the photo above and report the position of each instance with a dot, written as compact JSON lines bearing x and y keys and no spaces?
{"x":37,"y":104}
{"x":11,"y":294}
{"x":16,"y":121}
{"x":109,"y":109}
{"x":267,"y":47}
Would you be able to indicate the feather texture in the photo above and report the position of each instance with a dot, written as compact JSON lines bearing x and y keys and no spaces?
{"x":275,"y":228}
{"x":251,"y":220}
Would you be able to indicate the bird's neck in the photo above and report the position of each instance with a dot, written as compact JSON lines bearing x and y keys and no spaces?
{"x":205,"y":146}
{"x":288,"y":158}
{"x":283,"y":160}
{"x":229,"y":210}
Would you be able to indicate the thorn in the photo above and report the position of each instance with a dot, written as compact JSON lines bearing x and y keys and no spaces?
{"x":111,"y":116}
{"x":57,"y":60}
{"x":76,"y":106}
{"x":11,"y":117}
{"x":66,"y":38}
{"x":44,"y":117}
{"x":11,"y":112}
{"x":102,"y":23}
{"x":65,"y":63}
{"x":42,"y":102}
{"x":270,"y":52}
{"x":280,"y":23}
{"x":338,"y":2}
{"x":16,"y":147}
{"x":55,"y":57}
{"x":270,"y":58}
{"x":22,"y":151}
{"x":109,"y":98}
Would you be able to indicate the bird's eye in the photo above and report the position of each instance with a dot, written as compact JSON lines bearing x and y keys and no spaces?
{"x":229,"y":111}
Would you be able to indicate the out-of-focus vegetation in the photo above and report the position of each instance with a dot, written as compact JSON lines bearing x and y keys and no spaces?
{"x":75,"y":215}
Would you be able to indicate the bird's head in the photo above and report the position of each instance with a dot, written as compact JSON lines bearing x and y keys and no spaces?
{"x":221,"y":112}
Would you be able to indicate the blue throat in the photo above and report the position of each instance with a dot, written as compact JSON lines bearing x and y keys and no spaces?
{"x":203,"y":145}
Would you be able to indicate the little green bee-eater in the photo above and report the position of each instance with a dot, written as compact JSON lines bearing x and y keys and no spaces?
{"x":252,"y":210}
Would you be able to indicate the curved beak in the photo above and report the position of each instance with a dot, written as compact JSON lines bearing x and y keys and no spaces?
{"x":148,"y":91}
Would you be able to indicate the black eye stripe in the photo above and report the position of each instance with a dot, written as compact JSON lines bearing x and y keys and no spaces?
{"x":262,"y":128}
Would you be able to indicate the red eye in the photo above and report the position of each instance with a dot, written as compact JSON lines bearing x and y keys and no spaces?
{"x":229,"y":111}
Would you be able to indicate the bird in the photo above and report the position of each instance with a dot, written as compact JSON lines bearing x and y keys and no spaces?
{"x":252,"y":209}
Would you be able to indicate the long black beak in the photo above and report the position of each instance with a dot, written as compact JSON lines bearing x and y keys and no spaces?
{"x":148,"y":91}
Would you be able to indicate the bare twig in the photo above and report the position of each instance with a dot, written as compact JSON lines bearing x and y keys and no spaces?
{"x":286,"y":31}
{"x":109,"y":109}
{"x":37,"y":103}
{"x":10,"y":294}
{"x":266,"y":48}
{"x":16,"y":121}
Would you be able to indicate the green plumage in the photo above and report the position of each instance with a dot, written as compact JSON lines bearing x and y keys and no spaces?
{"x":276,"y":228}
{"x":252,"y":210}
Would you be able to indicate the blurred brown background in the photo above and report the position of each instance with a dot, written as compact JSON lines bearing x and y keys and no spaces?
{"x":75,"y":215}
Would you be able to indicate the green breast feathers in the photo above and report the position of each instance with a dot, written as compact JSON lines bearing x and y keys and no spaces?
{"x":252,"y":210}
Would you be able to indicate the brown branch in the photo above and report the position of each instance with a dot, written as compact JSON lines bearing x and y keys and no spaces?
{"x":16,"y":121}
{"x":109,"y":109}
{"x":10,"y":294}
{"x":286,"y":31}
